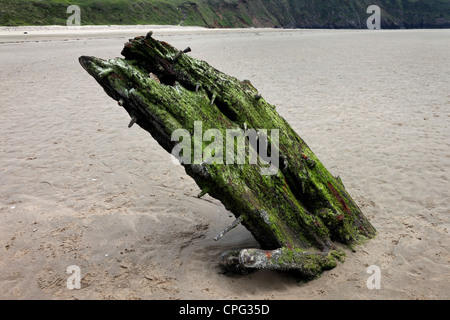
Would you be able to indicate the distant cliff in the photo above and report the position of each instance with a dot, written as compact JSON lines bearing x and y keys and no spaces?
{"x":231,"y":13}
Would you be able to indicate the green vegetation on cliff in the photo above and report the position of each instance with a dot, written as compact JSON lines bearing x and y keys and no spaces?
{"x":231,"y":13}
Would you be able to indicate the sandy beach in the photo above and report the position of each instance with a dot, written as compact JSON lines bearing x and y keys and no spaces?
{"x":80,"y":188}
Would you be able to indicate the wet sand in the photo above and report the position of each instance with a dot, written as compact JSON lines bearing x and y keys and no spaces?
{"x":80,"y":188}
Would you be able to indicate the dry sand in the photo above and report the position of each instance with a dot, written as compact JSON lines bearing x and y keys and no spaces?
{"x":80,"y":188}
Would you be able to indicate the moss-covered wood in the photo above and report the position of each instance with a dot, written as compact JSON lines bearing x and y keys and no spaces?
{"x":297,"y":214}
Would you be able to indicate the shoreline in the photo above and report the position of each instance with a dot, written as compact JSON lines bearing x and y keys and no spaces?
{"x":21,"y":34}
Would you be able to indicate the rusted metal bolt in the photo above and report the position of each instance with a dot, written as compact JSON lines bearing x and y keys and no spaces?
{"x":178,"y":55}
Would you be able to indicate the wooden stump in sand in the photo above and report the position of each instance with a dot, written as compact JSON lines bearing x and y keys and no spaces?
{"x":240,"y":151}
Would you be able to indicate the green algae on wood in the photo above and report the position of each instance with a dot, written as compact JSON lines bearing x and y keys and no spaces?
{"x":297,"y":213}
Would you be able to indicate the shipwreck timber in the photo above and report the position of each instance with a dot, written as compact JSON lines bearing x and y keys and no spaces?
{"x":297,"y":213}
